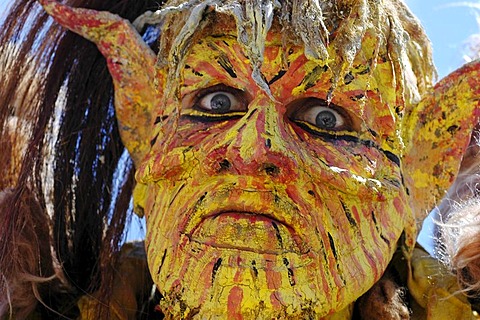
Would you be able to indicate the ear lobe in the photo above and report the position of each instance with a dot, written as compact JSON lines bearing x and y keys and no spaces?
{"x":131,"y":64}
{"x":437,"y":133}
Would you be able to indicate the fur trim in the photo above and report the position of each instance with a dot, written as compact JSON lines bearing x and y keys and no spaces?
{"x":385,"y":300}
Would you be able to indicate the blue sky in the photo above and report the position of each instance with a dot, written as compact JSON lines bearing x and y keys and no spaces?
{"x":448,"y":23}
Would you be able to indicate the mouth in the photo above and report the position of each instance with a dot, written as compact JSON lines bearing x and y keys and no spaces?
{"x":246,"y":231}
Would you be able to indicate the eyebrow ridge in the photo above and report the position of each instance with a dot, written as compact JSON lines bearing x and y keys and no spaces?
{"x":225,"y":63}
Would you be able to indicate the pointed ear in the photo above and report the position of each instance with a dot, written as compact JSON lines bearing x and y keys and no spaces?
{"x":131,"y":64}
{"x":437,"y":133}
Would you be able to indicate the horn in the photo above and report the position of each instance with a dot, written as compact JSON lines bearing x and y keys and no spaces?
{"x":437,"y":133}
{"x":131,"y":64}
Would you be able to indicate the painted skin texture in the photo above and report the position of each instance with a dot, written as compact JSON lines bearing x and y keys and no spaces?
{"x":255,"y":207}
{"x":265,"y":209}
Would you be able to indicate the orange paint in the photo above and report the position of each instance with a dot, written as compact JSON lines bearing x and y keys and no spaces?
{"x":250,"y":177}
{"x":274,"y":278}
{"x":235,"y":298}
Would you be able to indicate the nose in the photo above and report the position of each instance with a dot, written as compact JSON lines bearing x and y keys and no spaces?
{"x":260,"y":143}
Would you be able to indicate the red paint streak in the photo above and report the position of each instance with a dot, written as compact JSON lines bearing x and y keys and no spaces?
{"x":275,"y":300}
{"x":214,"y":157}
{"x":356,"y":215}
{"x":376,"y":231}
{"x":236,"y":261}
{"x":76,"y":18}
{"x":176,"y":285}
{"x":373,"y":263}
{"x":294,"y":195}
{"x":238,"y":278}
{"x":356,"y":271}
{"x":259,"y":184}
{"x":234,"y":303}
{"x":205,"y":279}
{"x":242,"y":182}
{"x":274,"y":278}
{"x":261,"y":150}
{"x":398,"y":204}
{"x":295,"y":75}
{"x":166,"y":167}
{"x":380,"y":256}
{"x":271,"y":53}
{"x":182,"y":242}
{"x":314,"y":274}
{"x":186,"y":265}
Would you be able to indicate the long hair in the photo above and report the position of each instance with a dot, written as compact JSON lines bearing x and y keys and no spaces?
{"x":62,"y":155}
{"x":61,"y":221}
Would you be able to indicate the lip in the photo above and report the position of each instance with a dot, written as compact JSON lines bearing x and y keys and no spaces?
{"x":246,"y":231}
{"x":248,"y":220}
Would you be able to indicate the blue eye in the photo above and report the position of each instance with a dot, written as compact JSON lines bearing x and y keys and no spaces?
{"x":220,"y":102}
{"x":322,"y":117}
{"x":318,"y":114}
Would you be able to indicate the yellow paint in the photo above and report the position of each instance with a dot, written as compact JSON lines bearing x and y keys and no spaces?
{"x":346,"y":273}
{"x":436,"y":290}
{"x":334,"y":201}
{"x":184,"y":187}
{"x":131,"y":63}
{"x":437,"y":135}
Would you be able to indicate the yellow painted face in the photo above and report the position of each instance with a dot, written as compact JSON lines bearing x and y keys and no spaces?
{"x":278,"y":205}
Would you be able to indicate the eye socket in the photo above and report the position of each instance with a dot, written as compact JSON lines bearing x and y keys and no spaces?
{"x":318,"y":114}
{"x":220,"y":100}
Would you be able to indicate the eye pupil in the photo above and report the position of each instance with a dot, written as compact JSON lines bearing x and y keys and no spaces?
{"x":326,"y":120}
{"x":220,"y":103}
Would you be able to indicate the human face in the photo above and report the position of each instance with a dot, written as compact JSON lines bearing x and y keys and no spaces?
{"x":278,"y":204}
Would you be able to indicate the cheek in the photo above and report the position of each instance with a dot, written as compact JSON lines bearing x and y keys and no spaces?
{"x":191,"y":148}
{"x":356,"y":236}
{"x":356,"y":203}
{"x":352,"y":169}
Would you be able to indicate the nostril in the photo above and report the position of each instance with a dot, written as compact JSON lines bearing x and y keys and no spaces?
{"x":271,"y":169}
{"x":224,"y":164}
